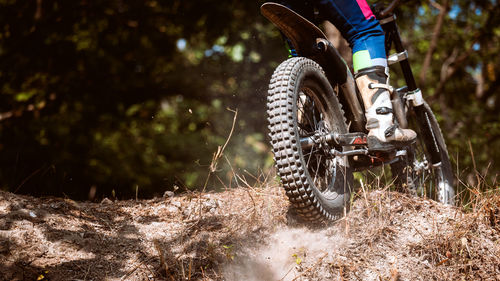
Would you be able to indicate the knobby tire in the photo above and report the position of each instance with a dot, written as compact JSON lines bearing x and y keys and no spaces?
{"x":301,"y":102}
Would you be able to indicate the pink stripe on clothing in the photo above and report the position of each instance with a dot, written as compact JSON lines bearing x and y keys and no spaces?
{"x":365,"y":8}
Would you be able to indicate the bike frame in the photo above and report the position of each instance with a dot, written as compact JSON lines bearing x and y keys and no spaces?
{"x":317,"y":122}
{"x":410,"y":95}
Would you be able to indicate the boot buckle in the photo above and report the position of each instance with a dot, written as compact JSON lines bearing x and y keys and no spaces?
{"x":381,"y":86}
{"x":383,"y":110}
{"x":390,"y":131}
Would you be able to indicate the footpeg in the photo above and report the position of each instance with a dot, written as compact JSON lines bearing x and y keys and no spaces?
{"x":349,"y":152}
{"x":347,"y":139}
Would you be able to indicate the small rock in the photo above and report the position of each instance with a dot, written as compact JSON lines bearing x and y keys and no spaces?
{"x":55,"y":206}
{"x":168,"y":194}
{"x":210,"y":204}
{"x":176,"y":204}
{"x":106,"y":201}
{"x":32,"y":214}
{"x":172,"y":209}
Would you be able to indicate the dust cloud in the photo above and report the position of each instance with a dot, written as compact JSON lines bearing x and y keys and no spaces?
{"x":284,"y":256}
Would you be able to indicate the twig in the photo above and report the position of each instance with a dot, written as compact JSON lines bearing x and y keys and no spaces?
{"x":149,"y":269}
{"x":86,"y":273}
{"x":437,"y":5}
{"x":364,"y":195}
{"x":190,"y":268}
{"x":419,"y":233}
{"x":266,"y":177}
{"x":220,"y":150}
{"x":215,"y":159}
{"x":27,"y":179}
{"x":221,"y":182}
{"x":182,"y":270}
{"x":311,"y":267}
{"x":253,"y":201}
{"x":242,"y":179}
{"x":394,"y":274}
{"x":162,"y":258}
{"x":134,"y":269}
{"x":232,"y":170}
{"x":252,"y":176}
{"x":202,"y":272}
{"x":282,"y":278}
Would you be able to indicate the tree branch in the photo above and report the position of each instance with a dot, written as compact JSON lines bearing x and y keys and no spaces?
{"x":443,"y":9}
{"x":451,"y":65}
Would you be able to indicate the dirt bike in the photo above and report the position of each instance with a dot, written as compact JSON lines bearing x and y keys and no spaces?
{"x":317,"y":123}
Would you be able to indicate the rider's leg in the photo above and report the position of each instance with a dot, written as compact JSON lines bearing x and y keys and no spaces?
{"x":359,"y":26}
{"x":383,"y":135}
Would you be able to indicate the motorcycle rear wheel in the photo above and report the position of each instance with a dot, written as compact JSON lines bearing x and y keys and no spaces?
{"x":301,"y":102}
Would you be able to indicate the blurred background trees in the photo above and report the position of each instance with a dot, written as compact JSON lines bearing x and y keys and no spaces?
{"x":103,"y":96}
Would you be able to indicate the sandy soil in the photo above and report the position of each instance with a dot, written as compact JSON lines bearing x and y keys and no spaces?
{"x":245,"y":234}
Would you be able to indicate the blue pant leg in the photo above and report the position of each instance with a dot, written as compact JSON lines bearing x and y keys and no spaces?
{"x":357,"y":25}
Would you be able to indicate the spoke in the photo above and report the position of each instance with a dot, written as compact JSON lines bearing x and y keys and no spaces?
{"x":310,"y":155}
{"x":329,"y":174}
{"x":311,"y":152}
{"x":311,"y":119}
{"x":318,"y":161}
{"x":304,"y":110}
{"x":314,"y":116}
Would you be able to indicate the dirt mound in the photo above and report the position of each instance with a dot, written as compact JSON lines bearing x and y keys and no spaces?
{"x":386,"y":236}
{"x":244,"y":234}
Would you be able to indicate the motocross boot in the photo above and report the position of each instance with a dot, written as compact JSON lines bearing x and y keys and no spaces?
{"x":383,"y":135}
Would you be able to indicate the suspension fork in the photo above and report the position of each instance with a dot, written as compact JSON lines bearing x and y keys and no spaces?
{"x":412,"y":92}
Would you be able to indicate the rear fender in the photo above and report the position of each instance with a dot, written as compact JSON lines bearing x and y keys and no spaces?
{"x":309,"y":41}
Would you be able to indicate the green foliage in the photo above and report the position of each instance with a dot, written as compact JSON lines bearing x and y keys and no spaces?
{"x":462,"y":82}
{"x":123,"y":94}
{"x":229,"y":251}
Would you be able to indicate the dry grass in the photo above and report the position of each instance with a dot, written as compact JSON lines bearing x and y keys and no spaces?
{"x":244,"y":216}
{"x":249,"y":233}
{"x":398,"y":236}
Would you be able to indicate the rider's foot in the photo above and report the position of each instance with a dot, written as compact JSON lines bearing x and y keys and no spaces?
{"x":383,"y":134}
